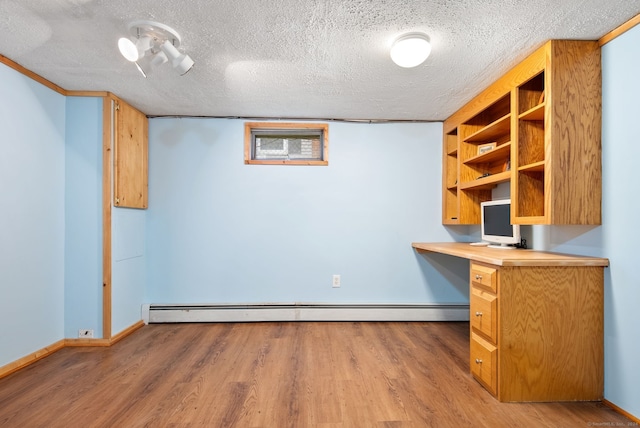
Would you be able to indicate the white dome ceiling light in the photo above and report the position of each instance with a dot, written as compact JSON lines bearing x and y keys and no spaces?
{"x":410,"y":50}
{"x":156,"y":41}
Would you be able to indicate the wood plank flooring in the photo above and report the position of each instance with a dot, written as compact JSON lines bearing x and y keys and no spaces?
{"x":291,"y":374}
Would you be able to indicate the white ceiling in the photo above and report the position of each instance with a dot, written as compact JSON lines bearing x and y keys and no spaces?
{"x":315,"y":59}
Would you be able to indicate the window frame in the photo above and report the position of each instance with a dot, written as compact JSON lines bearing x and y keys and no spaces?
{"x":249,"y":127}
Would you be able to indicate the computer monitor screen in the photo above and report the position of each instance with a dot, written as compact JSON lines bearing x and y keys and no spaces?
{"x":496,"y":223}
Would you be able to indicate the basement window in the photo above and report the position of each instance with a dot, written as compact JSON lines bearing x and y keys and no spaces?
{"x":275,"y":143}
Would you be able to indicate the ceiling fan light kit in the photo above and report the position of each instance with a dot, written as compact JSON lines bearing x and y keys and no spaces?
{"x":158,"y":43}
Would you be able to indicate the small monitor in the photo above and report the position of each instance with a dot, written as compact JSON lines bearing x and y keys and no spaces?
{"x":496,"y":224}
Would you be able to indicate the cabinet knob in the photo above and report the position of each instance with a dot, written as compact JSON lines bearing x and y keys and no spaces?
{"x":478,"y":314}
{"x":478,"y":361}
{"x":478,"y":277}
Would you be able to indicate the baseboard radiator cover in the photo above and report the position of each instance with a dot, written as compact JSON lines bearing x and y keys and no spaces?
{"x":163,"y":313}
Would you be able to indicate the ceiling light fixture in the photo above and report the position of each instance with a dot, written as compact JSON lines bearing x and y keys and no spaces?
{"x":181,"y":62}
{"x":157,"y":41}
{"x":410,"y":50}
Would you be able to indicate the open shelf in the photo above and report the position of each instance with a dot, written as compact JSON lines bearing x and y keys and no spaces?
{"x":535,"y":113}
{"x":501,"y":152}
{"x":531,"y":94}
{"x":531,"y":142}
{"x":451,"y":142}
{"x":530,"y":193}
{"x":488,"y":182}
{"x":492,"y":131}
{"x":532,"y":167}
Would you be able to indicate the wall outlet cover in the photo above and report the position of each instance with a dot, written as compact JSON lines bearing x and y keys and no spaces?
{"x":336,"y":281}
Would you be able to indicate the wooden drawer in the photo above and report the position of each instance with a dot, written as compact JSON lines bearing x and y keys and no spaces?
{"x":484,"y":313}
{"x":484,"y":276}
{"x":483,"y":363}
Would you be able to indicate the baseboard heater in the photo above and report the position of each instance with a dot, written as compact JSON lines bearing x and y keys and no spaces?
{"x":156,"y":313}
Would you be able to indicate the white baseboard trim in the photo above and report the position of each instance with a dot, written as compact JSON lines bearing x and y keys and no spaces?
{"x":157,"y":313}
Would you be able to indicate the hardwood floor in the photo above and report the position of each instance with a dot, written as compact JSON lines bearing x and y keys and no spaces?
{"x":304,"y":374}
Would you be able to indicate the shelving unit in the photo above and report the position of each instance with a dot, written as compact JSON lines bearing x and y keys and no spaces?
{"x":543,"y":117}
{"x":481,"y":172}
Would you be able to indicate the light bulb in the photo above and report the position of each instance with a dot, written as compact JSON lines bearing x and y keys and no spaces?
{"x":128,"y":49}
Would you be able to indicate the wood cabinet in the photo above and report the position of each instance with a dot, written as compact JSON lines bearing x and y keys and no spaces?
{"x":130,"y":160}
{"x":543,"y":121}
{"x":540,"y":336}
{"x":536,"y":322}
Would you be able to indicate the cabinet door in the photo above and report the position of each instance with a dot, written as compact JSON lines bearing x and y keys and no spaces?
{"x":130,"y":157}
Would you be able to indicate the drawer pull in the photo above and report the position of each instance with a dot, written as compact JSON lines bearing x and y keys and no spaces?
{"x":479,"y":277}
{"x":478,"y":314}
{"x":478,"y":361}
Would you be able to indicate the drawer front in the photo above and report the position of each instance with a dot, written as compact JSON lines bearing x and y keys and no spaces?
{"x":483,"y":363}
{"x":484,"y":314}
{"x":484,"y":276}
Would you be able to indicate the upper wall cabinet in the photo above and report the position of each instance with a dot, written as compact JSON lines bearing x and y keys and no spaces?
{"x":538,"y":128}
{"x":130,"y":161}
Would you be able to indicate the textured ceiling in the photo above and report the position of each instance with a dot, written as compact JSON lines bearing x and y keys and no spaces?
{"x":323,"y":59}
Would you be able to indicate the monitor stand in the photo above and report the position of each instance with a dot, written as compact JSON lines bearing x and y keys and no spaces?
{"x":502,"y":246}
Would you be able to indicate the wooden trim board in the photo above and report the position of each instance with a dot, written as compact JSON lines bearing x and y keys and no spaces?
{"x":107,"y":190}
{"x":20,"y":69}
{"x":87,"y":94}
{"x":621,"y":411}
{"x":105,"y":342}
{"x":30,"y":74}
{"x":72,"y":343}
{"x":126,"y":332}
{"x":620,"y":30}
{"x":27,"y":360}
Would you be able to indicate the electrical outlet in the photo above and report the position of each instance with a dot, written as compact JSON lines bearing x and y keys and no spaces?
{"x":85,"y":334}
{"x":336,"y":281}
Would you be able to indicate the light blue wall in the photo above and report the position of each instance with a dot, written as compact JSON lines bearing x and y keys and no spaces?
{"x":83,"y":215}
{"x":32,"y":222}
{"x":620,"y":231}
{"x":222,"y":231}
{"x":128,"y":267}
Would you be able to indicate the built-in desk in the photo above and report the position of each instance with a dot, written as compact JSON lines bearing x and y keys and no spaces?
{"x":536,"y":322}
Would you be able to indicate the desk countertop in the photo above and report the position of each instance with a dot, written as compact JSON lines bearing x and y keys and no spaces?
{"x":499,"y":257}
